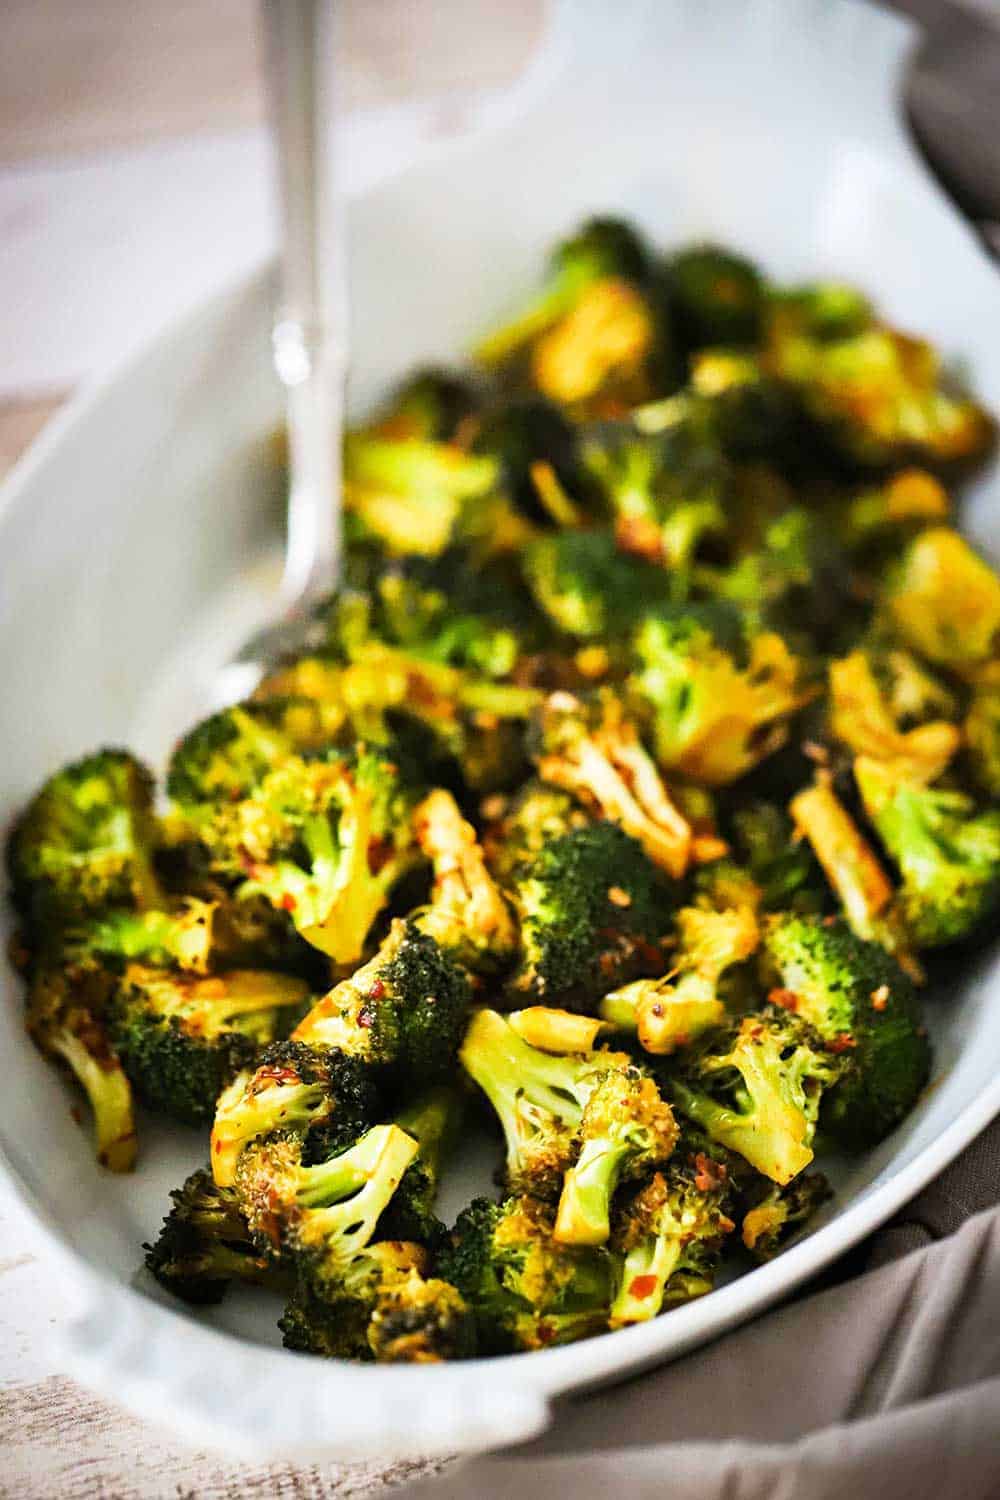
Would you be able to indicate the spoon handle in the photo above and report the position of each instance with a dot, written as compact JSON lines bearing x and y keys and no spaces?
{"x":310,"y":333}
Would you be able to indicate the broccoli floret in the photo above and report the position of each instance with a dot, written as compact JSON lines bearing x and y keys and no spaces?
{"x":787,"y":873}
{"x":594,"y":751}
{"x":536,"y":815}
{"x":293,"y":1087}
{"x":323,"y":839}
{"x":981,"y":732}
{"x":574,"y":1126}
{"x":821,"y":310}
{"x":431,"y":404}
{"x":671,"y":1012}
{"x":626,"y":1129}
{"x":589,"y":588}
{"x":944,"y":601}
{"x":320,"y":1214}
{"x":384,"y":1308}
{"x":667,"y":492}
{"x":66,"y":1010}
{"x":853,"y":869}
{"x":205,"y":1244}
{"x":594,"y":913}
{"x":796,"y":579}
{"x":879,"y":395}
{"x":669,"y":1240}
{"x":755,"y":1087}
{"x":947,"y":851}
{"x":875,"y":698}
{"x":526,"y":431}
{"x":182,"y":1038}
{"x":434,"y":1120}
{"x":417,"y":496}
{"x":601,"y":250}
{"x":712,"y":718}
{"x":860,"y":1001}
{"x":780,"y":1214}
{"x":225,"y":757}
{"x":526,"y":1290}
{"x":877,"y":520}
{"x":468,"y":916}
{"x":403,"y":1012}
{"x":183,"y":936}
{"x":715,"y":296}
{"x":84,"y":844}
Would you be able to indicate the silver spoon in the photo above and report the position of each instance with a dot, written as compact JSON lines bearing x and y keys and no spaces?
{"x":310,"y":331}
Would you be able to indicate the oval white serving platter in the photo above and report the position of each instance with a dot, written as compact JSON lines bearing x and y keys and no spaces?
{"x":772,"y":125}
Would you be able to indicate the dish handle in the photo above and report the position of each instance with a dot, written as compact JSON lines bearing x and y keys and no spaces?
{"x":215,"y":1390}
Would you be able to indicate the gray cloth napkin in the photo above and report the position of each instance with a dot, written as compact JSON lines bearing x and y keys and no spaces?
{"x":886,"y":1384}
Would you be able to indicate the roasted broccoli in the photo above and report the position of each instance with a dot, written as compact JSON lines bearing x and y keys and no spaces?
{"x":781,"y":1213}
{"x":587,"y":586}
{"x":864,"y":1007}
{"x":85,"y":844}
{"x":786,"y":872}
{"x":594,"y":913}
{"x":944,"y":601}
{"x":526,"y":1290}
{"x":403,"y":1012}
{"x":182,"y":1038}
{"x":468,"y":915}
{"x":205,"y":1244}
{"x":434,"y":1119}
{"x":224,"y":758}
{"x":716,"y":296}
{"x":755,"y":1086}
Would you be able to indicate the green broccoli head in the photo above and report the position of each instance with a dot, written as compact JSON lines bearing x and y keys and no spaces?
{"x":526,"y":1290}
{"x":713,"y":716}
{"x":669,"y":1239}
{"x":403,"y":1012}
{"x":944,"y":601}
{"x":536,"y":814}
{"x":85,"y":843}
{"x":860,"y":1001}
{"x":421,"y":1320}
{"x":182,"y":1038}
{"x":667,"y":492}
{"x":787,"y":873}
{"x":796,"y":579}
{"x":755,"y":1086}
{"x":780,"y":1213}
{"x":947,"y":851}
{"x":226,"y":756}
{"x":587,"y":586}
{"x":311,"y":1090}
{"x":524,"y":431}
{"x":594,"y":913}
{"x":716,"y":296}
{"x":205,"y":1245}
{"x":324,"y":839}
{"x":66,"y":1019}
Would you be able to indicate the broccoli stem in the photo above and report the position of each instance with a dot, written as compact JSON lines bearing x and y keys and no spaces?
{"x":109,"y":1093}
{"x":772,"y":1137}
{"x":584,"y":1211}
{"x":360,"y":1182}
{"x":645,"y":1271}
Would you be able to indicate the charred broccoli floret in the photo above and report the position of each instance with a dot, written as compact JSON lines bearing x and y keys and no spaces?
{"x":594,"y":912}
{"x":714,"y":718}
{"x":85,"y":843}
{"x":403,"y":1012}
{"x":468,"y":916}
{"x":293,"y":1087}
{"x":225,"y":757}
{"x":669,"y":1239}
{"x":864,"y":1006}
{"x":574,"y":1126}
{"x":324,"y":839}
{"x":594,"y":751}
{"x":587,"y":587}
{"x":786,"y":872}
{"x":716,"y":296}
{"x":671,"y":1012}
{"x":182,"y":1038}
{"x":67,"y":1003}
{"x":947,"y":851}
{"x":944,"y":601}
{"x":524,"y":432}
{"x":780,"y":1214}
{"x":526,"y":1290}
{"x":756,"y":1086}
{"x":205,"y":1244}
{"x":667,"y":492}
{"x":878,"y":708}
{"x":537,"y":814}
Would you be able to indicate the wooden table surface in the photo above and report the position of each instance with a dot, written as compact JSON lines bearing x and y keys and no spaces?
{"x":84,"y":82}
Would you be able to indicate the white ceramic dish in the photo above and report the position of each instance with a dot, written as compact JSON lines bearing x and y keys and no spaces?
{"x":771,"y":124}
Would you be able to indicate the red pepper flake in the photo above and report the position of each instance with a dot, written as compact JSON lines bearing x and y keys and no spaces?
{"x":365,"y":1019}
{"x":288,"y":901}
{"x":546,"y":1333}
{"x":377,"y":990}
{"x":379,"y":854}
{"x":842,"y":1042}
{"x":709,"y":1174}
{"x":880,"y":997}
{"x":657,"y":1009}
{"x":830,"y":921}
{"x":787,"y":999}
{"x":642,"y":1286}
